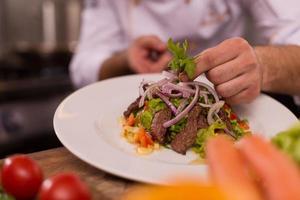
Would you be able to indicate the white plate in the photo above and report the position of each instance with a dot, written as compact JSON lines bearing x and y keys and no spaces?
{"x":87,"y":123}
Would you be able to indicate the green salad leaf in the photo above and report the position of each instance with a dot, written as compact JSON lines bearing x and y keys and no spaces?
{"x":176,"y":101}
{"x":178,"y":126}
{"x":239,"y":132}
{"x":289,"y":142}
{"x":181,"y":61}
{"x":146,"y":119}
{"x":175,"y":129}
{"x":156,"y":104}
{"x":204,"y":134}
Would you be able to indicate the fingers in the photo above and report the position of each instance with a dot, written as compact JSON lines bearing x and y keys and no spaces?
{"x":242,"y":89}
{"x":138,"y":55}
{"x":233,"y":68}
{"x":162,"y":63}
{"x":222,"y":53}
{"x":152,"y":42}
{"x":230,"y":70}
{"x":245,"y":96}
{"x":280,"y":176}
{"x":228,"y":169}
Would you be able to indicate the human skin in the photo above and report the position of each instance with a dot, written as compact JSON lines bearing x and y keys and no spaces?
{"x":238,"y":70}
{"x":137,"y":59}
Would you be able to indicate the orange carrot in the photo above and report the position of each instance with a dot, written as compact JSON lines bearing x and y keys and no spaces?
{"x":130,"y":120}
{"x":280,"y":176}
{"x":228,"y":170}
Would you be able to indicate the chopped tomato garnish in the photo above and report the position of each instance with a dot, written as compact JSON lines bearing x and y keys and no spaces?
{"x":233,"y":116}
{"x":130,"y":120}
{"x":244,"y":125}
{"x":143,"y":138}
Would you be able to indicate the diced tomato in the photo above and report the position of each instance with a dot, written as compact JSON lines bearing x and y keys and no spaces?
{"x":233,"y":116}
{"x":244,"y":125}
{"x":143,"y":138}
{"x":130,"y":120}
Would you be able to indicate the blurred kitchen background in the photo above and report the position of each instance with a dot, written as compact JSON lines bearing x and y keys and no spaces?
{"x":37,"y":39}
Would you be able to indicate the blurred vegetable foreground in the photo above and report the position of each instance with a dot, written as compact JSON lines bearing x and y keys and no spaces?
{"x":252,"y":169}
{"x":289,"y":142}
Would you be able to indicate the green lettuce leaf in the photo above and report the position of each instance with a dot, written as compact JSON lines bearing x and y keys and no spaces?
{"x":204,"y":134}
{"x":289,"y":142}
{"x":176,"y":101}
{"x":156,"y":104}
{"x":146,"y":119}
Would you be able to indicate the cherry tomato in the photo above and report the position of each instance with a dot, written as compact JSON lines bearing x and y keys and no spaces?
{"x":64,"y":186}
{"x":21,"y":177}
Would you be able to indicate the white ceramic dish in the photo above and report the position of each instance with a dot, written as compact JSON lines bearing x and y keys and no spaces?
{"x":87,"y":123}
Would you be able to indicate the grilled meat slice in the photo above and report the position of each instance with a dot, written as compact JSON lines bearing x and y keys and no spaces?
{"x":158,"y":132}
{"x":134,"y":106}
{"x":202,"y":119}
{"x":223,"y":115}
{"x":186,"y":138}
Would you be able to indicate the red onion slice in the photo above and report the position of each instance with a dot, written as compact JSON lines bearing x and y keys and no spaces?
{"x":141,"y":87}
{"x":210,"y":89}
{"x":150,"y":89}
{"x":186,"y":92}
{"x":173,"y":95}
{"x":205,"y":105}
{"x":213,"y":110}
{"x":185,"y":111}
{"x":166,"y":100}
{"x":181,"y":106}
{"x":169,"y":75}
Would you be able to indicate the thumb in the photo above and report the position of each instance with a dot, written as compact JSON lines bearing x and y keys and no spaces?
{"x":203,"y":63}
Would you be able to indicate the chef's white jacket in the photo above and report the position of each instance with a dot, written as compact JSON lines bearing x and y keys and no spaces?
{"x":109,"y":26}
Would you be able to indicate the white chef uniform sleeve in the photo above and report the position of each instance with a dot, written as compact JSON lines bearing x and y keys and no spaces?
{"x":276,"y":21}
{"x":100,"y":37}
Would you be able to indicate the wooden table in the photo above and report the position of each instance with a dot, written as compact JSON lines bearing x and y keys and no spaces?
{"x":103,"y":186}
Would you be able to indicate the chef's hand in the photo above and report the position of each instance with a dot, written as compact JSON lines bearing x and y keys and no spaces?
{"x":148,"y":54}
{"x":233,"y":67}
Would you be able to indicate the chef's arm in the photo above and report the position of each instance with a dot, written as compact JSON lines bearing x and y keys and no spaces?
{"x":116,"y":65}
{"x":280,"y":67}
{"x":146,"y":54}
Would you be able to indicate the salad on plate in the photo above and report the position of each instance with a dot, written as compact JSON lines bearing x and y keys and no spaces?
{"x":178,"y":112}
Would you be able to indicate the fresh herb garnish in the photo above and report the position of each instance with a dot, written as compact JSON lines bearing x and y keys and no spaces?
{"x":181,"y":62}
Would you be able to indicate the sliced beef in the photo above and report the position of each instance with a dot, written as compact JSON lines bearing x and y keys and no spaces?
{"x":134,"y":106}
{"x":202,"y":119}
{"x":186,"y":138}
{"x":158,"y":132}
{"x":223,"y":115}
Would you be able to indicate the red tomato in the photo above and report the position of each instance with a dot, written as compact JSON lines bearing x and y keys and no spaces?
{"x":233,"y":116}
{"x":143,"y":138}
{"x":65,"y":186}
{"x":21,"y":177}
